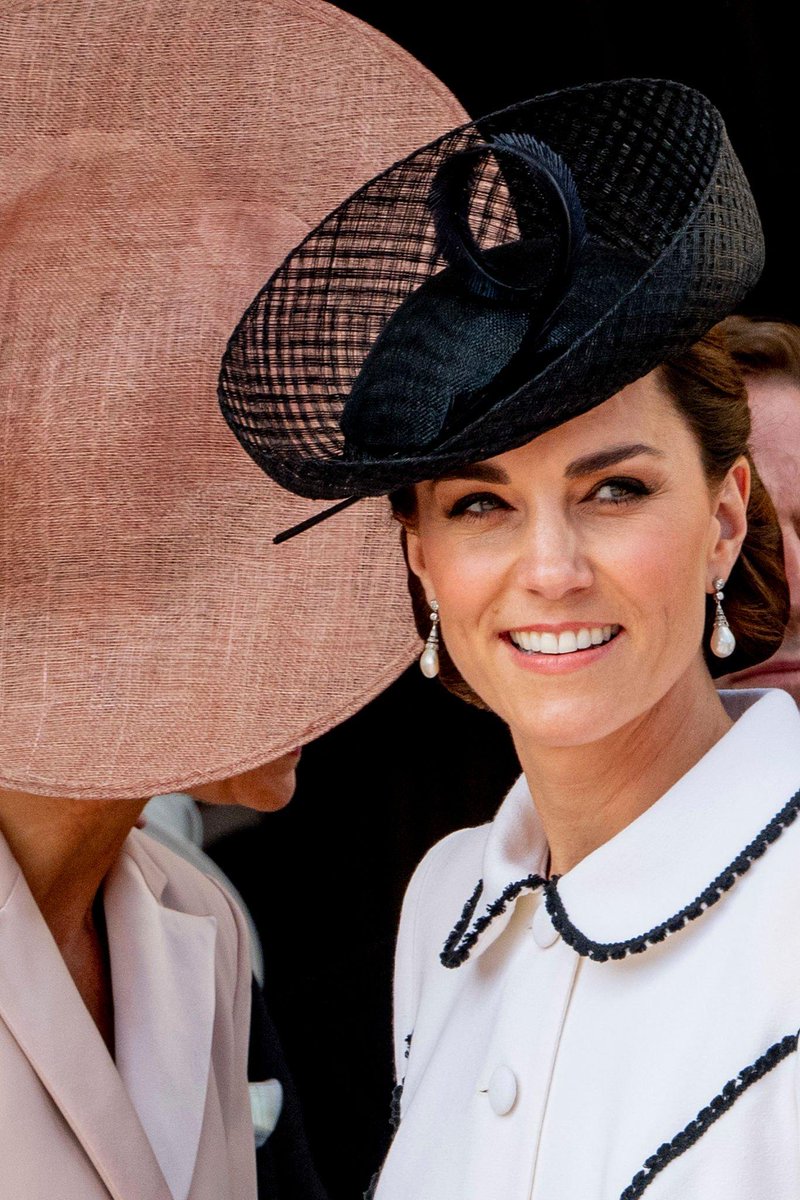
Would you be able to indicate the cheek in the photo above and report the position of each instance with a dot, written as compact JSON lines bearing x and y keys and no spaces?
{"x":466,"y":580}
{"x":665,"y":576}
{"x":470,"y":582}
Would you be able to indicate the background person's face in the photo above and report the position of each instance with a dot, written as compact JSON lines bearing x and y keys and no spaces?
{"x":266,"y":788}
{"x":604,"y":527}
{"x":775,"y":405}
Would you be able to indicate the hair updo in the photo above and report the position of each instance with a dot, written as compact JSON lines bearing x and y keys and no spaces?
{"x":707,"y":387}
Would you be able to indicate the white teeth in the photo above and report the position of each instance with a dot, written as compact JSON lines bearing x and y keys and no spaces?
{"x":528,"y":640}
{"x":563,"y":643}
{"x":567,"y":642}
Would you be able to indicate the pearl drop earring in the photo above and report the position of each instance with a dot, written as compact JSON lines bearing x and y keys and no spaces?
{"x":723,"y":643}
{"x":429,"y":659}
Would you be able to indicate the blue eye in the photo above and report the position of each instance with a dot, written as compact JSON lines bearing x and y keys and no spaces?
{"x":620,"y":491}
{"x":477,"y":504}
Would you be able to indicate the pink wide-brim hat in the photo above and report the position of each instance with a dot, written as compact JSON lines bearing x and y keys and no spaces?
{"x":157,"y":161}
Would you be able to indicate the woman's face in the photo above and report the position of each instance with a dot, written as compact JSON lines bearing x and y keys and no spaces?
{"x":572,"y":573}
{"x":266,"y":788}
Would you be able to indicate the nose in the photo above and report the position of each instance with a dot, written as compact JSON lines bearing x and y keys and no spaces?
{"x":549,"y":556}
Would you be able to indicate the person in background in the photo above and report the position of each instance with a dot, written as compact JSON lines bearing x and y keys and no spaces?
{"x":769,"y":354}
{"x":152,"y":640}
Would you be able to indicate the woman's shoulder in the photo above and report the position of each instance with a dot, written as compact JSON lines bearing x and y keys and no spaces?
{"x":450,"y":866}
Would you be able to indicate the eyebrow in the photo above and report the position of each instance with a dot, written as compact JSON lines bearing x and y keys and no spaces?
{"x":486,"y":472}
{"x":589,"y":463}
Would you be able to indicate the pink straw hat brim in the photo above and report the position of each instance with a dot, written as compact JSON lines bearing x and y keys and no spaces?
{"x":156,"y":163}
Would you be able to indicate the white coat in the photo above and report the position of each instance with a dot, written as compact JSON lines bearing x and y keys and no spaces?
{"x":169,"y":1118}
{"x":559,"y":1055}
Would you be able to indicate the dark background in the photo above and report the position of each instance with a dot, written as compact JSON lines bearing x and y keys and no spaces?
{"x":324,"y":878}
{"x":740,"y":53}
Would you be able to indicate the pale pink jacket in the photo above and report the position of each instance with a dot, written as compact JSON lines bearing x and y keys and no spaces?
{"x":170,"y":1119}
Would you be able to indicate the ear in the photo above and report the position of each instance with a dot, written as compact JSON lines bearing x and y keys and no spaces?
{"x":731,"y":516}
{"x":416,"y":561}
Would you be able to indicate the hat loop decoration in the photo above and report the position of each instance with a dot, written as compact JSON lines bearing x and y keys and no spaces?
{"x":544,"y":172}
{"x":479,"y":292}
{"x":515,"y":289}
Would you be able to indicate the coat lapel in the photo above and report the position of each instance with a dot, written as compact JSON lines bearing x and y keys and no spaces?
{"x":164,"y":982}
{"x":43,"y":1010}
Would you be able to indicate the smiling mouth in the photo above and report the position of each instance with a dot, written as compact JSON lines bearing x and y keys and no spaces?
{"x":569,"y":641}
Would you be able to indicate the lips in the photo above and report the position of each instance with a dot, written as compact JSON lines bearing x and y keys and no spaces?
{"x":567,"y":641}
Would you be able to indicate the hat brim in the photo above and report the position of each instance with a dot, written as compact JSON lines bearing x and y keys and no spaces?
{"x":153,"y":638}
{"x":659,"y":184}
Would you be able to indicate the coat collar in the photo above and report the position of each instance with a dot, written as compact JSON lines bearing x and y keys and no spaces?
{"x":164,"y":985}
{"x":627,"y":893}
{"x":139,"y":1119}
{"x":43,"y":1010}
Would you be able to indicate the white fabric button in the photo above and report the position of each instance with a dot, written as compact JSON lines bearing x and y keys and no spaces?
{"x":502,"y":1090}
{"x":544,"y":933}
{"x":266,"y":1102}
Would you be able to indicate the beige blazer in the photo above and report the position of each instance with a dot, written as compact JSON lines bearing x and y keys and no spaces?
{"x":170,"y":1119}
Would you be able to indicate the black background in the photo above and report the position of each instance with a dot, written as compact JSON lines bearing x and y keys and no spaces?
{"x":324,"y":879}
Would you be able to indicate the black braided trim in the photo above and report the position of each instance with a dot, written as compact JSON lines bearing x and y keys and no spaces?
{"x":459,"y":943}
{"x":397,"y":1091}
{"x":372,"y":1187}
{"x":731,"y":1092}
{"x":394,"y":1108}
{"x":603,"y":951}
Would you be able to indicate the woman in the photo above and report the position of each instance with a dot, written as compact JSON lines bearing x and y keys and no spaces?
{"x":151,"y":640}
{"x":594,"y":996}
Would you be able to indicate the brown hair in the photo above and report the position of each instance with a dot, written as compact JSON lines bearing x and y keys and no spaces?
{"x":763,"y":347}
{"x":707,"y":387}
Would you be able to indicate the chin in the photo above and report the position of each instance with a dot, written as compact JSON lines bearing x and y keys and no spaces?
{"x":272,"y":801}
{"x":267,"y":788}
{"x":271,"y":793}
{"x":561,"y":722}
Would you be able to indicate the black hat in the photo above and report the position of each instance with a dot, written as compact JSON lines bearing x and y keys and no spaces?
{"x":509,"y":276}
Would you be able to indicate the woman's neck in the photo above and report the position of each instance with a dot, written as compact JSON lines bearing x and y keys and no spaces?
{"x":65,"y":849}
{"x":586,"y":794}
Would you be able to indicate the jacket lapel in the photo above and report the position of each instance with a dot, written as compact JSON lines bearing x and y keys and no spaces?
{"x":43,"y":1010}
{"x":164,"y":980}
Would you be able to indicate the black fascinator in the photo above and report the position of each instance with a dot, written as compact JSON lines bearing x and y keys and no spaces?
{"x":511,"y":275}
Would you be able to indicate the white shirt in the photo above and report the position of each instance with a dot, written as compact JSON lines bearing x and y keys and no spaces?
{"x":543,"y":1068}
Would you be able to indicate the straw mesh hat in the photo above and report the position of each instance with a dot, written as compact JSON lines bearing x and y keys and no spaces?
{"x":156,"y":163}
{"x":510,"y":275}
